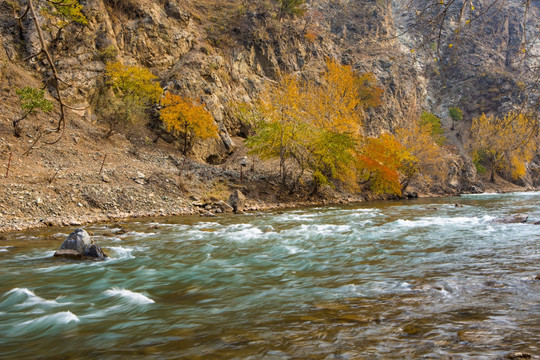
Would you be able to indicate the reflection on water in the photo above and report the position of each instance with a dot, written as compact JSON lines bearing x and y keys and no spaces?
{"x":388,"y":280}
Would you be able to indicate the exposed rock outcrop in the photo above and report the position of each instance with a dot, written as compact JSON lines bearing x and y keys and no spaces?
{"x":237,"y":200}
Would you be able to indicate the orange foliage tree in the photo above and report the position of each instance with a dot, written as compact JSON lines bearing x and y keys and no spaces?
{"x":381,"y":161}
{"x":187,"y":119}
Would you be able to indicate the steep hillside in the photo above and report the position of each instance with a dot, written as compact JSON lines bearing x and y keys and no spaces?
{"x":221,"y":54}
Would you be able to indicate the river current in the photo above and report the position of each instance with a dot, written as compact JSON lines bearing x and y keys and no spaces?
{"x":416,"y":279}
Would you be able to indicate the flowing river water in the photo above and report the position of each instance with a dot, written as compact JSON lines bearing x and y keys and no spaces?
{"x":381,"y":280}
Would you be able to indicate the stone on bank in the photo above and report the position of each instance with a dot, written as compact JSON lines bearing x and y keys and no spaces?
{"x":79,"y":246}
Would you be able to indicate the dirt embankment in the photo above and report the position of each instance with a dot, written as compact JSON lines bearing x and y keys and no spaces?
{"x":86,"y":178}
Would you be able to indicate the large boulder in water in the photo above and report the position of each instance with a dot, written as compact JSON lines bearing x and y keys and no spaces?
{"x":79,"y":246}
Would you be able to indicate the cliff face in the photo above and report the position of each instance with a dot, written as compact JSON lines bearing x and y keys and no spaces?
{"x":223,"y":54}
{"x":489,"y":64}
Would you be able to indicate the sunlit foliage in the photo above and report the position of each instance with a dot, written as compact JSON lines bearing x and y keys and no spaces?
{"x":281,"y":129}
{"x":316,"y":126}
{"x":187,"y":119}
{"x":427,"y":157}
{"x":432,"y":124}
{"x":381,"y":161}
{"x":132,"y":90}
{"x":133,"y":81}
{"x":33,"y":100}
{"x":507,"y":144}
{"x":64,"y":12}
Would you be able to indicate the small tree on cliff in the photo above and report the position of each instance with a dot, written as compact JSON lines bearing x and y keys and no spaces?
{"x":31,"y":100}
{"x":456,"y":115}
{"x":432,"y":124}
{"x":188,"y":120}
{"x":58,"y":13}
{"x":291,"y":8}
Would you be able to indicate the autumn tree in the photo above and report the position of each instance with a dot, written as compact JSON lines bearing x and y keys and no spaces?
{"x":382,"y":161}
{"x":316,"y":126}
{"x":426,"y":157}
{"x":60,"y":13}
{"x":336,"y":107}
{"x":505,"y":144}
{"x":187,"y":119}
{"x":129,"y":92}
{"x":432,"y":124}
{"x":280,"y":126}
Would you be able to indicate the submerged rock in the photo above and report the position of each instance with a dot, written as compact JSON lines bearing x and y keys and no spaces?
{"x":207,"y":213}
{"x":79,"y":246}
{"x":518,"y":355}
{"x":514,"y":219}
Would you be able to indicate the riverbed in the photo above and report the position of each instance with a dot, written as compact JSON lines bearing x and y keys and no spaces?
{"x":411,"y":279}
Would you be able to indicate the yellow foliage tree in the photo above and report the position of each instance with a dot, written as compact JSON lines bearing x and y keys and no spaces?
{"x":337,"y":103}
{"x":426,"y":158}
{"x":507,"y":143}
{"x":133,"y":81}
{"x":132,"y":89}
{"x":187,"y":119}
{"x":316,"y":125}
{"x":281,"y":127}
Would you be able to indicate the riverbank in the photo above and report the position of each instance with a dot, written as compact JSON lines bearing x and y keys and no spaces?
{"x":63,"y":203}
{"x":91,"y":179}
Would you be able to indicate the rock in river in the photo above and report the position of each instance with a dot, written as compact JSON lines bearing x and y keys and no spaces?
{"x":79,"y":246}
{"x":515,"y":219}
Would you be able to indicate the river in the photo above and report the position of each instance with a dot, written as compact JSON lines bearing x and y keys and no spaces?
{"x":378,"y":280}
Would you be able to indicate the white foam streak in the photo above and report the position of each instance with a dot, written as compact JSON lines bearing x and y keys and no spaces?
{"x":64,"y":317}
{"x":25,"y":298}
{"x":19,"y":291}
{"x":122,"y":253}
{"x":442,"y":221}
{"x":130,"y":296}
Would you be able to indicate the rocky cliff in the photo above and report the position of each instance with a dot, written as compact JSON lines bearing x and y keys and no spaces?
{"x":225,"y":53}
